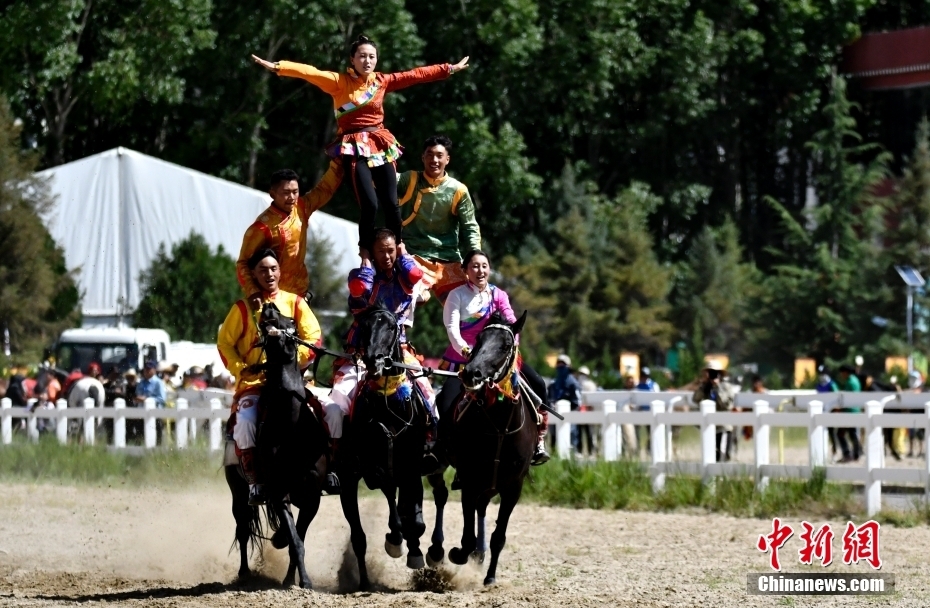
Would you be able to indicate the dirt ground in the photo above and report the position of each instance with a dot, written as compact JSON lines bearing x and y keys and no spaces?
{"x":63,"y":545}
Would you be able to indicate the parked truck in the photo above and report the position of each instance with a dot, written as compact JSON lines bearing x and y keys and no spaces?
{"x":130,"y":347}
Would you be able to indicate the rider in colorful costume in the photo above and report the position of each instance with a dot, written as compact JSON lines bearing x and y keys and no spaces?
{"x":439,"y":220}
{"x":467,"y":311}
{"x":239,"y":343}
{"x":283,"y":228}
{"x":392,"y":282}
{"x":366,"y":148}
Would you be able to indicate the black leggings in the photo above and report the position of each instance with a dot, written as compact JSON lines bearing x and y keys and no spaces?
{"x":373,"y":186}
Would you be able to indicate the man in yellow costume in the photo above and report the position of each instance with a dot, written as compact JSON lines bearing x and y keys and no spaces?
{"x":283,"y":228}
{"x":239,"y":343}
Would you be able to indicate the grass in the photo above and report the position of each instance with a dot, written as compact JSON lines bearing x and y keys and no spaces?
{"x":48,"y":461}
{"x":568,"y":483}
{"x":627,"y":485}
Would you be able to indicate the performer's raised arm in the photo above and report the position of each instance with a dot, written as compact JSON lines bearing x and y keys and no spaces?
{"x":328,"y":82}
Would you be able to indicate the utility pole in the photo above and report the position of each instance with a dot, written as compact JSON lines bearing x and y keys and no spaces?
{"x":912,"y":279}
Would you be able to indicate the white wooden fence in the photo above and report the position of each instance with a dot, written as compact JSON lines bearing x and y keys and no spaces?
{"x":810,"y":411}
{"x":185,"y":417}
{"x":814,"y":412}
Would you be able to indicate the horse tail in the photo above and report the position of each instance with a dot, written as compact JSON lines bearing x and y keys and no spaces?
{"x":256,"y":533}
{"x":94,"y":393}
{"x":274,"y":522}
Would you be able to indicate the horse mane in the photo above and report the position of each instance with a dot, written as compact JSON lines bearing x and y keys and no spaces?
{"x":497,"y":318}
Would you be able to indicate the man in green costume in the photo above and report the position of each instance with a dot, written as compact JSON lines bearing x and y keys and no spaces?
{"x":439,"y":220}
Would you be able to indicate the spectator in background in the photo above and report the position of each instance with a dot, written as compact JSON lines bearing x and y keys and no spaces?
{"x":151,"y":386}
{"x":132,"y":380}
{"x":825,"y":384}
{"x":16,"y":390}
{"x":566,"y":387}
{"x":95,"y":371}
{"x":628,"y":431}
{"x":848,"y":382}
{"x":714,"y":389}
{"x":583,"y":375}
{"x":193,"y":379}
{"x":869,"y":385}
{"x":646,"y":384}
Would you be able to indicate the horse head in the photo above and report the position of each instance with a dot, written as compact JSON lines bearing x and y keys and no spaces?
{"x":280,"y":351}
{"x":494,"y":352}
{"x":378,"y":336}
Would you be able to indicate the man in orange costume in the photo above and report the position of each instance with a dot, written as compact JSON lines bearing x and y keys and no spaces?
{"x":283,"y":228}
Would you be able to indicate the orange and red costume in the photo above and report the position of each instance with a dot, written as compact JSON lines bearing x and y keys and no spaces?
{"x":359,"y":106}
{"x":286,"y":234}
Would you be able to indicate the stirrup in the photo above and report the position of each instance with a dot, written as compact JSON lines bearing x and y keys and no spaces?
{"x":541,"y":456}
{"x":257,"y":495}
{"x":456,"y":482}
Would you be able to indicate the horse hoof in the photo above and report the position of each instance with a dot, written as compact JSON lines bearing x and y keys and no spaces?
{"x":245,"y":575}
{"x":478,"y":556}
{"x":434,"y":556}
{"x":458,"y":557}
{"x":306,"y":584}
{"x":415,"y":562}
{"x":394,"y":551}
{"x":490,"y":581}
{"x":279,"y":539}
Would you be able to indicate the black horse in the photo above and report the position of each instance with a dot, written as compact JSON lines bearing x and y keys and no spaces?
{"x":384,"y":441}
{"x":292,"y":444}
{"x":493,"y":437}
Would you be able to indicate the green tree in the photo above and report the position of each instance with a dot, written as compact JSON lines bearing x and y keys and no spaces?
{"x":189,"y":292}
{"x":821,"y":298}
{"x":712,"y":291}
{"x":596,"y":286}
{"x":38,"y":296}
{"x":106,"y":55}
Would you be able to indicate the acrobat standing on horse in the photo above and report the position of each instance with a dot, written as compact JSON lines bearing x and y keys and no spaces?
{"x":240,"y":345}
{"x":366,"y":148}
{"x":390,"y":282}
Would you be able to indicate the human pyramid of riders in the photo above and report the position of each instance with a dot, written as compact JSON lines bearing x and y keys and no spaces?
{"x":431,"y":245}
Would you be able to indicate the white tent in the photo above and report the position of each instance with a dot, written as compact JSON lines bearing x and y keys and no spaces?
{"x":114,"y":209}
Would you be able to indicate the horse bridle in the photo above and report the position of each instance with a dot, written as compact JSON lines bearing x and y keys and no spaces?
{"x":505,"y":367}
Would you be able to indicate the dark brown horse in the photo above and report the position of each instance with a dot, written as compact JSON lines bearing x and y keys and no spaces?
{"x":385,"y":440}
{"x":493,"y":437}
{"x":292,"y":444}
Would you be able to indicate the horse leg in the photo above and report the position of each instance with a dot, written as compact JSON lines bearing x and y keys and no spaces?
{"x":244,"y":515}
{"x":296,"y":547}
{"x":349,"y":499}
{"x":410,"y":508}
{"x":308,"y":511}
{"x":459,"y":555}
{"x":436,"y":553}
{"x":481,"y":545}
{"x":394,"y":538}
{"x":509,"y":498}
